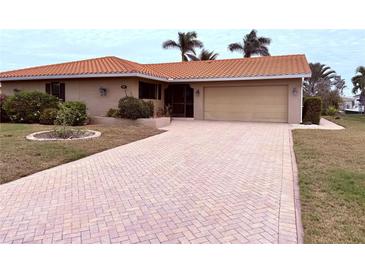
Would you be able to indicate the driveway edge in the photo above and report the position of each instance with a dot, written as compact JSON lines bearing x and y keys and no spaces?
{"x":297,"y":204}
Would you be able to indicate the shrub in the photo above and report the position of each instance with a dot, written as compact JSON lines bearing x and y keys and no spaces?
{"x":312,"y":110}
{"x":3,"y":116}
{"x":331,"y":111}
{"x":133,"y":108}
{"x":112,"y":113}
{"x":71,"y":113}
{"x":26,"y":106}
{"x":151,"y":108}
{"x":48,"y":116}
{"x":331,"y":98}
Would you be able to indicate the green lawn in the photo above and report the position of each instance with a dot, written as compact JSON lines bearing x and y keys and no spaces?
{"x":332,"y":181}
{"x":20,"y":157}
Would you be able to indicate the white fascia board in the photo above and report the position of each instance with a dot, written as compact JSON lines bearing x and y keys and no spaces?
{"x":77,"y":76}
{"x":287,"y":76}
{"x":108,"y":75}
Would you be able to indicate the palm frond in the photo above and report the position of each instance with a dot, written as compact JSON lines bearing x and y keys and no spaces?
{"x":358,"y":80}
{"x":193,"y":57}
{"x":170,"y":44}
{"x":360,"y":69}
{"x":264,"y":40}
{"x":196,"y":44}
{"x":207,"y":55}
{"x":263,"y":51}
{"x":235,"y":47}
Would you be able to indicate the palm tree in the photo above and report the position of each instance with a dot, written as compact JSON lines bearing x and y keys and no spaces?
{"x":320,"y":73}
{"x":203,"y":56}
{"x":359,"y":81}
{"x":252,"y":45}
{"x":186,"y":43}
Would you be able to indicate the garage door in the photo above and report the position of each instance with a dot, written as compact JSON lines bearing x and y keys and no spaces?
{"x":255,"y":103}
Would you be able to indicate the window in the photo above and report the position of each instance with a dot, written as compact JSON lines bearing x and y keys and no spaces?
{"x":149,"y":91}
{"x":56,"y":89}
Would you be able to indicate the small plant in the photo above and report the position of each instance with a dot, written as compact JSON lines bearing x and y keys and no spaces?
{"x":27,"y":106}
{"x":64,"y":132}
{"x":312,"y":110}
{"x":112,"y":113}
{"x":3,"y":116}
{"x":133,"y":108}
{"x":168,"y":110}
{"x":71,"y":113}
{"x":331,"y":111}
{"x":160,"y":112}
{"x":163,"y":112}
{"x":48,"y":116}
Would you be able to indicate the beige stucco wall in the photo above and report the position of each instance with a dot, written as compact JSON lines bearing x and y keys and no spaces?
{"x":294,"y":101}
{"x":87,"y":91}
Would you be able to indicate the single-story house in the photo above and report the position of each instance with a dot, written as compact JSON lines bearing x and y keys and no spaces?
{"x":267,"y":89}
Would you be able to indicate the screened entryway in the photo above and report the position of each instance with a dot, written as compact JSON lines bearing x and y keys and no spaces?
{"x":180,"y":98}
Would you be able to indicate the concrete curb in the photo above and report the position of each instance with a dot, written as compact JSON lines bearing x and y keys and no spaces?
{"x":32,"y":137}
{"x":297,"y":204}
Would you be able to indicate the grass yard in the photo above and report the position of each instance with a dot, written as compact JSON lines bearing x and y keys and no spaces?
{"x":20,"y":157}
{"x":332,"y":181}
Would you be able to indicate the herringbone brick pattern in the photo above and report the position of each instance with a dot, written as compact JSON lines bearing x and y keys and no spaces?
{"x":200,"y":182}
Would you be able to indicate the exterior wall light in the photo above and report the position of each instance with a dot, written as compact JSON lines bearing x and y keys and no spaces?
{"x":197,"y":92}
{"x":103,"y":91}
{"x":295,"y":91}
{"x":124,"y":88}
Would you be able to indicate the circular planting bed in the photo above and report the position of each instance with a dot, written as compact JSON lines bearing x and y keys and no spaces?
{"x":52,"y":135}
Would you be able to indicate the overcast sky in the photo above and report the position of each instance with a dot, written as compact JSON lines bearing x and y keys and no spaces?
{"x":343,"y":50}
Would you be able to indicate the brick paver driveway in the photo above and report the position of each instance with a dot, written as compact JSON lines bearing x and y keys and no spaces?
{"x":200,"y":182}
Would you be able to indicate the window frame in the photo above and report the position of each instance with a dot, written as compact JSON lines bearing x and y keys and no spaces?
{"x":50,"y":89}
{"x":149,"y":91}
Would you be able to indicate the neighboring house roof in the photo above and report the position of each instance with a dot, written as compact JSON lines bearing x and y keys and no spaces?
{"x":269,"y":67}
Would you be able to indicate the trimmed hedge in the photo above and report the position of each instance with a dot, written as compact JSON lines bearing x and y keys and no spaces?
{"x":27,"y":106}
{"x":48,"y":116}
{"x":3,"y":116}
{"x":133,"y":108}
{"x":312,"y":110}
{"x":71,"y":113}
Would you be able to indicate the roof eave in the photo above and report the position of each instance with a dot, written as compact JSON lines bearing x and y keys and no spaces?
{"x":123,"y":75}
{"x":77,"y":76}
{"x":261,"y":77}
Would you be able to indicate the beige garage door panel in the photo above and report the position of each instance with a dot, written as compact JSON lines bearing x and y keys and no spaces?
{"x":259,"y":103}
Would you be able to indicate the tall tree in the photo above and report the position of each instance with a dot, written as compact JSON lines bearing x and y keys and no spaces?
{"x":187,"y":42}
{"x":203,"y":56}
{"x":359,"y":81}
{"x":320,"y":73}
{"x":252,"y":45}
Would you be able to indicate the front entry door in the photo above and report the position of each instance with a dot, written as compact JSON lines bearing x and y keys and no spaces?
{"x":181,"y":100}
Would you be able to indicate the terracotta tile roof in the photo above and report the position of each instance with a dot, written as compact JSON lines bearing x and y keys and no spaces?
{"x":102,"y":65}
{"x":232,"y":68}
{"x":269,"y":66}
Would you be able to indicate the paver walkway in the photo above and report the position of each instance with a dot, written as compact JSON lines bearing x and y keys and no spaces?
{"x":200,"y":182}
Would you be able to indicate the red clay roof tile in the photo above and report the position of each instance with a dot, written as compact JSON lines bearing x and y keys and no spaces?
{"x":269,"y":66}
